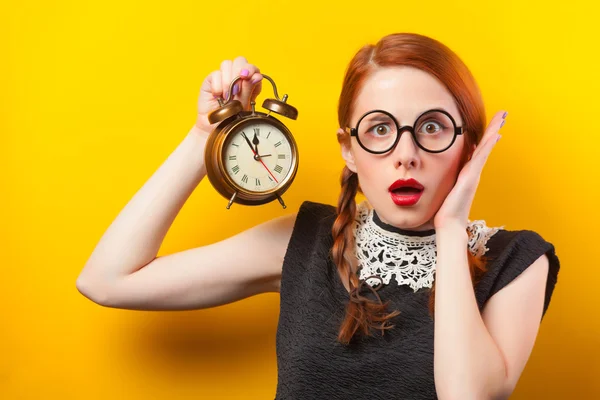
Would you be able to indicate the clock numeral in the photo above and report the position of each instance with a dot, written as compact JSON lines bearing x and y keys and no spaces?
{"x":245,"y":178}
{"x":233,"y":157}
{"x":257,"y":131}
{"x":278,"y":144}
{"x":257,"y":182}
{"x":278,"y":169}
{"x":271,"y":179}
{"x":268,"y":135}
{"x":234,"y":144}
{"x":236,"y":169}
{"x":281,"y":156}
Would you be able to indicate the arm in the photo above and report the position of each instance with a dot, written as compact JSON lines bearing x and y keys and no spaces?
{"x":123,"y":270}
{"x":481,"y":356}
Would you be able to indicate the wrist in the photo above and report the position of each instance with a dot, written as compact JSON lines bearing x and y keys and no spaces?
{"x":198,"y":132}
{"x":456,"y":229}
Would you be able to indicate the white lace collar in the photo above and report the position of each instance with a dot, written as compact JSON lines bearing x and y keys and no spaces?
{"x":385,"y":251}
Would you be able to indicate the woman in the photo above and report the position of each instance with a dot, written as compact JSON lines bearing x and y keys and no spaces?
{"x":413,"y":137}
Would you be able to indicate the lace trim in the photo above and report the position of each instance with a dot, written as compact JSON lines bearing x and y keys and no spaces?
{"x":410,"y":259}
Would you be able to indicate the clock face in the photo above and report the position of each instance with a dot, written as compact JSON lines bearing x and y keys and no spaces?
{"x":269,"y":168}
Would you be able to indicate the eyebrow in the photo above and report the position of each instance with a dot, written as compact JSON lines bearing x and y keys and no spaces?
{"x":380,"y":118}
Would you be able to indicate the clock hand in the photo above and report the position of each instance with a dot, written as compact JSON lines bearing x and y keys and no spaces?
{"x":256,"y":142}
{"x":268,"y":170}
{"x":256,"y":155}
{"x":248,"y":141}
{"x":264,"y":155}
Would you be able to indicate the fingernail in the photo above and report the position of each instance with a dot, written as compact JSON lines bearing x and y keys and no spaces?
{"x":236,"y":88}
{"x":499,"y":136}
{"x":505,"y":114}
{"x":244,"y":73}
{"x":255,"y":80}
{"x":502,"y":124}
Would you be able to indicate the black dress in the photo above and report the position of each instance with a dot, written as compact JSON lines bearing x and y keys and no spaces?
{"x":399,"y":365}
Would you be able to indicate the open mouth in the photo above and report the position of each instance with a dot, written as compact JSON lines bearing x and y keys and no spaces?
{"x":406,"y":191}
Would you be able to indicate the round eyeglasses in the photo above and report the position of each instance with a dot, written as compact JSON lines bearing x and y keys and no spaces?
{"x":379,"y":132}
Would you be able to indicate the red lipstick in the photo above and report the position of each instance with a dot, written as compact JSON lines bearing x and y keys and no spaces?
{"x":406,"y":192}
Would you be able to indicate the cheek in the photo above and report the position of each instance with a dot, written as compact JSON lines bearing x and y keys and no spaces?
{"x":370,"y":178}
{"x":449,"y":169}
{"x":367,"y":167}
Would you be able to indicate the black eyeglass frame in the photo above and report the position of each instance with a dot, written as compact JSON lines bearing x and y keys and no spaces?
{"x":400,"y":129}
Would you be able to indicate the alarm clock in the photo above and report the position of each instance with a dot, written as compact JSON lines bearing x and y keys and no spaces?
{"x":251,"y":157}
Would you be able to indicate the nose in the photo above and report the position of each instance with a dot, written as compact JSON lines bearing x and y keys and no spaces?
{"x":406,"y":152}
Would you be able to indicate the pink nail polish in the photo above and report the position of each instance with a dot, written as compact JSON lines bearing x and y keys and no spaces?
{"x":499,"y":137}
{"x":244,"y":73}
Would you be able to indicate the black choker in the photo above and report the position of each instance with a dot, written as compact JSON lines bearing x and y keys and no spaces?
{"x":392,"y":228}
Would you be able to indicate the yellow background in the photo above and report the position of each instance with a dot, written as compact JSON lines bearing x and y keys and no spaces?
{"x":94,"y":97}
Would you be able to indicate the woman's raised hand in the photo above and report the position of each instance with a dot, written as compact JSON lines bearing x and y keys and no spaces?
{"x":216,"y":85}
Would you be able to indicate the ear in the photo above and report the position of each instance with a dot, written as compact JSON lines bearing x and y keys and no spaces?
{"x":346,"y":148}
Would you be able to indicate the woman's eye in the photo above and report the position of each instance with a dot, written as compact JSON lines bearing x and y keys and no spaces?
{"x":380,"y":130}
{"x":431,"y":127}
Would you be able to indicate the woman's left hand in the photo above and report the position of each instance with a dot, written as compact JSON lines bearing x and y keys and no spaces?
{"x":457,"y":205}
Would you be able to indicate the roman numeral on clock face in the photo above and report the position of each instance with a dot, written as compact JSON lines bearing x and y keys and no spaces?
{"x":257,"y":182}
{"x":278,"y":144}
{"x":278,"y":169}
{"x":245,"y":178}
{"x":257,"y":131}
{"x":236,"y":169}
{"x":281,"y":156}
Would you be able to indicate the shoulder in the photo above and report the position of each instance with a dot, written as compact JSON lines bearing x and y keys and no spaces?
{"x":510,"y":253}
{"x":313,"y":217}
{"x":310,"y":208}
{"x":519,"y":248}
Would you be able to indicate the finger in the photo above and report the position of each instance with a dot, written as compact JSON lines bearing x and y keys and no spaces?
{"x":491,"y":131}
{"x":257,"y":88}
{"x":236,"y":68}
{"x":226,"y":76}
{"x":216,"y":87}
{"x":484,"y":152}
{"x":247,"y":85}
{"x":244,"y":85}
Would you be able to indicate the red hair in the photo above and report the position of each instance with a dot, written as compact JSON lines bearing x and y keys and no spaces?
{"x":427,"y":54}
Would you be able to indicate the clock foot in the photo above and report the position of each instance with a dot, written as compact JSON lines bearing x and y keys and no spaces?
{"x":231,"y":200}
{"x":281,"y":201}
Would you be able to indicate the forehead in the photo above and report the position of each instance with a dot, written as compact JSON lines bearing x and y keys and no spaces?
{"x":405,"y":92}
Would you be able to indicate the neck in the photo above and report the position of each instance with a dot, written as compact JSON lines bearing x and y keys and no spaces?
{"x":402,"y":231}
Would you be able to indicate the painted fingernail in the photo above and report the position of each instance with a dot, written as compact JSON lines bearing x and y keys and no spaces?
{"x":244,"y":73}
{"x":505,"y":114}
{"x":499,"y":136}
{"x":502,"y":124}
{"x":236,"y":88}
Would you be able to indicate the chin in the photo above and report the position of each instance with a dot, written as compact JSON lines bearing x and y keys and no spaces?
{"x":410,"y":218}
{"x":403,"y":218}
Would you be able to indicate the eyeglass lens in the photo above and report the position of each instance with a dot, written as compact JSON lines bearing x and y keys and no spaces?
{"x":433,"y":130}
